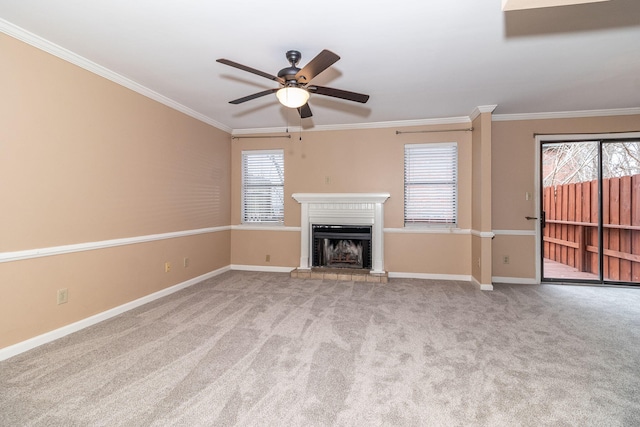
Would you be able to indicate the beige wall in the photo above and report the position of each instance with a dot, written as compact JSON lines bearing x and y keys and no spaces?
{"x":84,"y":160}
{"x":356,"y":161}
{"x":492,"y":198}
{"x":513,"y":163}
{"x":265,"y":248}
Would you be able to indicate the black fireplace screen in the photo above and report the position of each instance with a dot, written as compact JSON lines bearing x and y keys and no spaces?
{"x":341,"y":246}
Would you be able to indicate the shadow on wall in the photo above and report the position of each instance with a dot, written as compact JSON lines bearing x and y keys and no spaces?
{"x":568,"y":19}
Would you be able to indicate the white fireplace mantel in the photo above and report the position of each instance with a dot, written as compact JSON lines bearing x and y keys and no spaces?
{"x":343,"y":209}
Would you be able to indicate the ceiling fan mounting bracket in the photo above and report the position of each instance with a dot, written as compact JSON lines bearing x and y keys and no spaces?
{"x":289,"y":73}
{"x":293,"y":56}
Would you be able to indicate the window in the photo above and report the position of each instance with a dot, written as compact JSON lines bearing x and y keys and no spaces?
{"x":263,"y":186}
{"x":430,"y":183}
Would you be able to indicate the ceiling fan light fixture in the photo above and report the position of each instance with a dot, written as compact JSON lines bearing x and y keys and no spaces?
{"x":292,"y":96}
{"x":293,"y":92}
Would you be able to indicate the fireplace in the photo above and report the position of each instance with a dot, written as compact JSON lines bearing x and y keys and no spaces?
{"x":341,"y":246}
{"x":351,"y":210}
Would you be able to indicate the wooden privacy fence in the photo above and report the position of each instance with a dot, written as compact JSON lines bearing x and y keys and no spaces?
{"x":571,"y":232}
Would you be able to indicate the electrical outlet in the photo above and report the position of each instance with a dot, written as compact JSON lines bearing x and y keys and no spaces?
{"x":63,"y":296}
{"x":327,"y":179}
{"x":268,"y":258}
{"x":167,"y":267}
{"x":185,"y":262}
{"x":505,"y":259}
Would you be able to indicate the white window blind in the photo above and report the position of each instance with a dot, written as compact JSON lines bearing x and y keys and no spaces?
{"x":263,"y":186}
{"x":431,"y":183}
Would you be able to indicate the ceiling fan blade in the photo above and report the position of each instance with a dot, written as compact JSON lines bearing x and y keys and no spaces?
{"x":338,"y":93}
{"x":254,"y":96}
{"x":321,"y":62}
{"x":250,"y":70}
{"x":305,"y":111}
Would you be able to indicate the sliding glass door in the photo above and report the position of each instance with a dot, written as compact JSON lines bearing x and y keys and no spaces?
{"x":590,"y":207}
{"x":621,"y":211}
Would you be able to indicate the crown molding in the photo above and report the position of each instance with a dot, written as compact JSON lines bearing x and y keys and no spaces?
{"x":356,"y":126}
{"x":73,"y":58}
{"x":482,"y":109}
{"x":566,"y":114}
{"x":69,"y":56}
{"x":448,"y":120}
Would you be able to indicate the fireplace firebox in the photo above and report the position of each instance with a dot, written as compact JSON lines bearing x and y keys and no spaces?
{"x":341,"y":246}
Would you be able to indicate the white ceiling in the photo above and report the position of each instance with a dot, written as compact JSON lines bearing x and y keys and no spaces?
{"x":419,"y":60}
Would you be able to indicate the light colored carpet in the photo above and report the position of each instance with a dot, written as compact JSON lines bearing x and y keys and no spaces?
{"x":261,"y":349}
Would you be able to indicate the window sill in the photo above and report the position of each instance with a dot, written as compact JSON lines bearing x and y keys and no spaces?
{"x":264,"y":227}
{"x":413,"y":229}
{"x":437,"y":226}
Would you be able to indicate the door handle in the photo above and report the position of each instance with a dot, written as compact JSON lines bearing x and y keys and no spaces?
{"x":543,"y":217}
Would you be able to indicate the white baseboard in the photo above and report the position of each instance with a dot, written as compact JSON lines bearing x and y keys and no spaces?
{"x":482,"y":286}
{"x":514,"y":280}
{"x":392,"y":274}
{"x":457,"y":277}
{"x":45,"y":338}
{"x":429,"y":276}
{"x":264,"y":268}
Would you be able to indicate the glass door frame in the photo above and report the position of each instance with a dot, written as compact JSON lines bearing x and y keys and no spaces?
{"x":540,"y":140}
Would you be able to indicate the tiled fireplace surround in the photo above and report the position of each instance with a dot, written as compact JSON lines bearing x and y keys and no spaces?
{"x":342,"y":209}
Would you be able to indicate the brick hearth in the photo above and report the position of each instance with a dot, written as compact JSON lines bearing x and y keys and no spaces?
{"x":342,"y":274}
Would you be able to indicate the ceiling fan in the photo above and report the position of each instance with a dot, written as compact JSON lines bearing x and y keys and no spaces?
{"x":294,"y":90}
